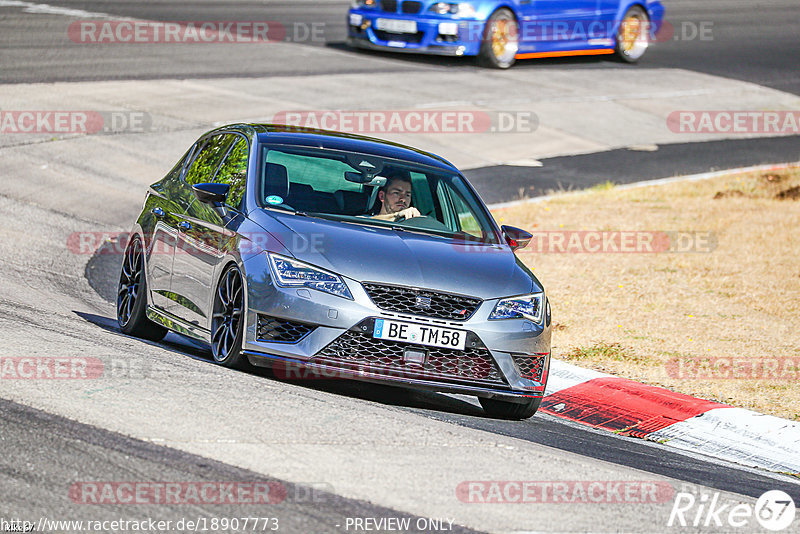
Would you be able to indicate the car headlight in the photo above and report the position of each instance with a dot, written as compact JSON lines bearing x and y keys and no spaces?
{"x":462,"y":9}
{"x":363,"y":3}
{"x":527,"y":306}
{"x":289,"y":272}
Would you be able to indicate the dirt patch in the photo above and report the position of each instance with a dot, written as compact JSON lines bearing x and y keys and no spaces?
{"x":660,"y":315}
{"x":765,"y":185}
{"x":733,"y":193}
{"x":793,"y":193}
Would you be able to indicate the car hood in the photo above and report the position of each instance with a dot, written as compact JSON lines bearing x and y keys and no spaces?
{"x":372,"y":254}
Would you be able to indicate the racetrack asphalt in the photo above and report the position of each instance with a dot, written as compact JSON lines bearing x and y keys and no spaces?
{"x":504,"y":183}
{"x":729,"y":38}
{"x":60,"y":454}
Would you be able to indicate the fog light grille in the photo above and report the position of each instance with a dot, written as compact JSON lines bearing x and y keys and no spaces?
{"x":274,"y":330}
{"x":530,"y":366}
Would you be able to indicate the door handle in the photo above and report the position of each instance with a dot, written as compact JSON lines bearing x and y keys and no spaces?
{"x":185,"y":226}
{"x":158,"y":212}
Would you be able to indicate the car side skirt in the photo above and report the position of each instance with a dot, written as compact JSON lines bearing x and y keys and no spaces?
{"x":179,"y":326}
{"x":565,"y":53}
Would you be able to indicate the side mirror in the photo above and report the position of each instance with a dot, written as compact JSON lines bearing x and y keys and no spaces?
{"x":211,"y":193}
{"x":515,"y":237}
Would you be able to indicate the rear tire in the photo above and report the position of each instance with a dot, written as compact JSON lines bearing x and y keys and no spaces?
{"x":132,"y":296}
{"x":633,"y":35}
{"x":510,"y":410}
{"x":227,"y":320}
{"x":500,"y":40}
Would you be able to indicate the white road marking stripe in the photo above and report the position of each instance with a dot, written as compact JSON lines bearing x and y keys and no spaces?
{"x":46,"y":9}
{"x":732,"y":434}
{"x":565,"y":375}
{"x":740,"y":436}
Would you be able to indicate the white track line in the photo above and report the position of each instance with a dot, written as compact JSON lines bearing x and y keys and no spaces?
{"x":47,"y":9}
{"x":739,"y":436}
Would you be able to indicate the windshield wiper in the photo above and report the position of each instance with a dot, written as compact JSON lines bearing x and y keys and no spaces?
{"x":286,"y":207}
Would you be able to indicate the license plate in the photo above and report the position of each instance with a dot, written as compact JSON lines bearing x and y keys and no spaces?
{"x":432,"y":336}
{"x":396,"y":25}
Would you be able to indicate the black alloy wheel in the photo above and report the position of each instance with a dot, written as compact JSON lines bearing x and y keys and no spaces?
{"x":132,"y":296}
{"x":227,"y":320}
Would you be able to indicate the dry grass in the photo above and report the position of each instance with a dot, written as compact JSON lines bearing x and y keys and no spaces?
{"x":631,"y":314}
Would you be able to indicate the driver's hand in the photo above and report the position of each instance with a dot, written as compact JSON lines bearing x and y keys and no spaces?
{"x":407,"y":213}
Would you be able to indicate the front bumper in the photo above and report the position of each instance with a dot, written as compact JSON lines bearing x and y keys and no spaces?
{"x":309,"y":334}
{"x":293,"y":369}
{"x":429,"y":39}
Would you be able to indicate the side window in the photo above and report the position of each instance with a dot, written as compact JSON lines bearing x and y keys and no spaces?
{"x":177,"y":170}
{"x":458,"y":215}
{"x":234,"y":172}
{"x":466,"y":219}
{"x":205,"y":164}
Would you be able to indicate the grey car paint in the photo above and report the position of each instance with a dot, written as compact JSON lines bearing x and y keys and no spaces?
{"x":358,"y":253}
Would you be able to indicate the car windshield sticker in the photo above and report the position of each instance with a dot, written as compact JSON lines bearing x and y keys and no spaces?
{"x":274,"y":199}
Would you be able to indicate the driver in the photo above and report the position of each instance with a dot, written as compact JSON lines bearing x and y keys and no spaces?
{"x":395,"y":199}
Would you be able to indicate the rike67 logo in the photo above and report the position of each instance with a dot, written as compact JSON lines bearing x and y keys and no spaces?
{"x":774,"y":511}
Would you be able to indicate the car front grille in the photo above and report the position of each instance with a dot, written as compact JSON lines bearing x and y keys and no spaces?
{"x":389,"y":5}
{"x":272,"y":329}
{"x":421,"y":302}
{"x":360,"y":351}
{"x":411,"y":7}
{"x":530,"y":367}
{"x":413,"y":38}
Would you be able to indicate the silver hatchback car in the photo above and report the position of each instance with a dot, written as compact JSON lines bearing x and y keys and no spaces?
{"x":329,"y":255}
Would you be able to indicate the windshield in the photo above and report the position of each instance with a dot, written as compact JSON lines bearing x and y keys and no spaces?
{"x":371,"y":190}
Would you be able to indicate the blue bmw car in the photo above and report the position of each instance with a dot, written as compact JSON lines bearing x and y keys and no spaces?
{"x":501,"y":31}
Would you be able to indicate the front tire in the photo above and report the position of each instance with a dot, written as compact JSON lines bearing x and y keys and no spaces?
{"x":227,"y":322}
{"x":132,"y":296}
{"x":633,"y":35}
{"x":500,"y":40}
{"x":510,"y":410}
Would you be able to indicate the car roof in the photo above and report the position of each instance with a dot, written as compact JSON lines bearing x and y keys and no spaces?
{"x":310,"y":137}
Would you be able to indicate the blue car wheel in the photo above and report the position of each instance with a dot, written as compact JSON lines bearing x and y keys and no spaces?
{"x":500,"y":40}
{"x":633,"y":35}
